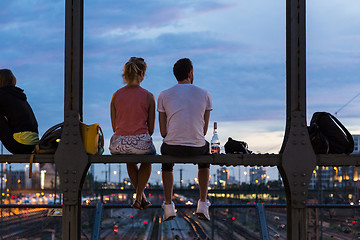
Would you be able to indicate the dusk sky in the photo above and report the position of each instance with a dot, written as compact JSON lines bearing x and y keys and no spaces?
{"x":237,"y":48}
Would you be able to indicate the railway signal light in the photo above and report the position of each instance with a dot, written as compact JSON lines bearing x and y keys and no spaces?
{"x":116,"y":228}
{"x":233,"y":218}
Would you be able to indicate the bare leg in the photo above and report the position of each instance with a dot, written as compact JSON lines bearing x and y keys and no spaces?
{"x":133,"y":172}
{"x":143,"y":178}
{"x":203,"y":175}
{"x":168,"y":181}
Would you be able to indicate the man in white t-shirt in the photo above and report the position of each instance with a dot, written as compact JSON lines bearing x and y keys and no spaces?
{"x":184,"y":112}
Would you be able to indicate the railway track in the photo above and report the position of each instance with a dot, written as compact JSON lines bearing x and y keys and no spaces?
{"x":30,"y":224}
{"x":155,"y":233}
{"x":27,"y":225}
{"x":196,"y":227}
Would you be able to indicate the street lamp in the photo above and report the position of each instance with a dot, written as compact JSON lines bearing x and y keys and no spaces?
{"x":245,"y":173}
{"x":115,"y":173}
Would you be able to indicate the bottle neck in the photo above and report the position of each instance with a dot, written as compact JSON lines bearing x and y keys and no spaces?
{"x":215,"y":126}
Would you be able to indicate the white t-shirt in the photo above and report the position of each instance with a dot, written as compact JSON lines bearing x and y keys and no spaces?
{"x":185,"y":106}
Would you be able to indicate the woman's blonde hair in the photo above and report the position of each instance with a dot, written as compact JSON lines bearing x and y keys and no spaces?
{"x":7,"y":78}
{"x":134,"y":68}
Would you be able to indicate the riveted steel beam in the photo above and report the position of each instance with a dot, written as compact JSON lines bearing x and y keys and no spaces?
{"x":298,"y":158}
{"x":74,"y":14}
{"x":70,"y":157}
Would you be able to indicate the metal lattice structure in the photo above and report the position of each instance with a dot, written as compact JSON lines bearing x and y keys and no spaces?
{"x":295,"y":162}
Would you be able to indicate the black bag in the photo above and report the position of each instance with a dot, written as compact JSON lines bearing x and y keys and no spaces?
{"x":50,"y":139}
{"x":233,"y":146}
{"x":328,"y":135}
{"x":47,"y":144}
{"x":319,"y":142}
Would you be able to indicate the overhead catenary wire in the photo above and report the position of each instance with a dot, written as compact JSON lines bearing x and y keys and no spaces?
{"x":352,"y":99}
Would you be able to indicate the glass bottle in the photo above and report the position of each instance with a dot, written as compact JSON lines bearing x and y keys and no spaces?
{"x":215,"y":142}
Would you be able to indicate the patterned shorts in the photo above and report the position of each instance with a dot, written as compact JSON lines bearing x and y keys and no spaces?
{"x":134,"y":144}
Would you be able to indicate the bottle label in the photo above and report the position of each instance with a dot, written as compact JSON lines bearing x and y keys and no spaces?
{"x":215,"y":149}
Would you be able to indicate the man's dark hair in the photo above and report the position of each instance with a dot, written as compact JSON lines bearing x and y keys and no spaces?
{"x":182,"y":68}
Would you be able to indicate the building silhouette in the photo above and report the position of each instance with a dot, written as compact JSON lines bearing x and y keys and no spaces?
{"x":222,"y":176}
{"x":333,"y":177}
{"x":257,"y":175}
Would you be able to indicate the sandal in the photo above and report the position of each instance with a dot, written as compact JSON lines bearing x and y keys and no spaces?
{"x":137,"y":205}
{"x":145,"y":203}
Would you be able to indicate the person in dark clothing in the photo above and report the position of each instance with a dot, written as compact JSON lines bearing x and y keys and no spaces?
{"x":18,"y":125}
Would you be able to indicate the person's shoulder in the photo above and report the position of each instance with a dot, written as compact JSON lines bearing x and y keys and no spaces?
{"x":144,"y":90}
{"x":168,"y":90}
{"x":120,"y":89}
{"x":149,"y":94}
{"x":13,"y":92}
{"x":201,"y":89}
{"x":6,"y":89}
{"x":116,"y":92}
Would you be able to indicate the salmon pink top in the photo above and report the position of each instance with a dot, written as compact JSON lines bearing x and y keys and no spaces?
{"x":131,"y":111}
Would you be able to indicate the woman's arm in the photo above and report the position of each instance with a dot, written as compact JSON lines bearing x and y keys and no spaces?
{"x":151,"y":113}
{"x":112,"y":113}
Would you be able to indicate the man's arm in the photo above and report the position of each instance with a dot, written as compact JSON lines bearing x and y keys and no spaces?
{"x":112,"y":113}
{"x":151,"y":113}
{"x":162,"y":124}
{"x":206,"y":119}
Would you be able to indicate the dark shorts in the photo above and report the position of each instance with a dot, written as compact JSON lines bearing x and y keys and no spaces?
{"x":184,"y":151}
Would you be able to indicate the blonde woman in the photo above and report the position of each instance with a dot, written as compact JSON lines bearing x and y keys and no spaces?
{"x":133,"y":122}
